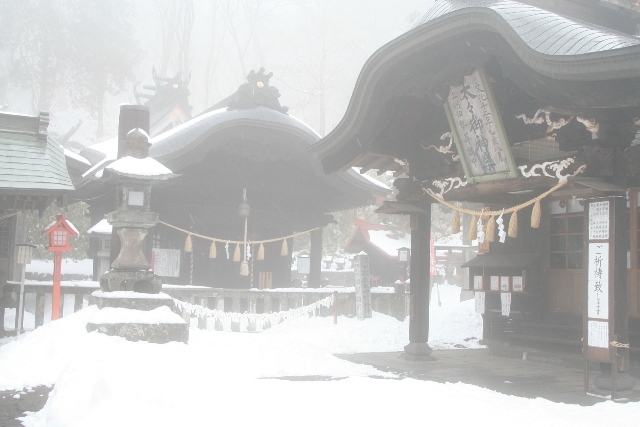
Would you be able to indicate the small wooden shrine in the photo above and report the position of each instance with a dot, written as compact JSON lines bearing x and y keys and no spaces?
{"x":535,"y":116}
{"x":248,"y":147}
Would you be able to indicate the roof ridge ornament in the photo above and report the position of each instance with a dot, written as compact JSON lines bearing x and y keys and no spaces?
{"x":257,"y":93}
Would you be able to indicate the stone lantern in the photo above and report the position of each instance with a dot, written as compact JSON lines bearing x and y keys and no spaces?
{"x":134,"y":176}
{"x":130,"y":281}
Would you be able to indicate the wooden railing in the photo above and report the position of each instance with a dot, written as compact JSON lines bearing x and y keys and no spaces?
{"x":390,"y":301}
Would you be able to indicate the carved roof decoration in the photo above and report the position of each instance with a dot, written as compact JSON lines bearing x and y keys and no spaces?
{"x":257,"y":93}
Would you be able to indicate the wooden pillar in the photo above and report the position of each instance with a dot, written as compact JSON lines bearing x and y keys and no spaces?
{"x":418,"y":349}
{"x":315,"y":272}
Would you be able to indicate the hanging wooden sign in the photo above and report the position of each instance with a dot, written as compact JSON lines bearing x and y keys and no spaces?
{"x":480,"y":302}
{"x":478,"y":131}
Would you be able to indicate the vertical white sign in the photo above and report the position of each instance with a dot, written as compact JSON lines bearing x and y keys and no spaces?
{"x":599,"y":220}
{"x":495,"y":283}
{"x":478,"y":283}
{"x":504,"y":283}
{"x":363,"y":286}
{"x":598,"y":281}
{"x":598,"y":334}
{"x":505,"y":299}
{"x":517,"y":284}
{"x":479,"y":300}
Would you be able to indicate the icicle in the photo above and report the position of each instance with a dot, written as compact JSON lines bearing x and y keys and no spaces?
{"x":260,"y":253}
{"x":188,"y":245}
{"x":236,"y":253}
{"x":473,"y":228}
{"x":212,"y":250}
{"x":285,"y":249}
{"x":535,"y":215}
{"x":244,"y":268}
{"x":491,"y":230}
{"x":513,"y":225}
{"x":455,"y":224}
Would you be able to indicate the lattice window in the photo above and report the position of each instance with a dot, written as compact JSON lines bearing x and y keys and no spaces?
{"x":566,"y":231}
{"x":5,"y":236}
{"x":60,"y":238}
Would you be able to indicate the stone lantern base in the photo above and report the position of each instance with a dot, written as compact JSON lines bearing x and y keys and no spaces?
{"x":138,"y":316}
{"x":131,"y":280}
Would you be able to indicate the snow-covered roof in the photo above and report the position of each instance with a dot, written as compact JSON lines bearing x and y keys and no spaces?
{"x":371,"y":179}
{"x":102,"y":227}
{"x":147,"y":167}
{"x":55,"y":221}
{"x":387,"y":242}
{"x":75,"y":156}
{"x":109,"y":147}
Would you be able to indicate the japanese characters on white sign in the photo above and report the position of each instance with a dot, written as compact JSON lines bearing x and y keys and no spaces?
{"x":363,"y":286}
{"x":598,"y":334}
{"x":599,"y":220}
{"x":166,"y":262}
{"x":478,"y":282}
{"x":517,"y":284}
{"x":479,"y":139}
{"x":504,"y":283}
{"x":495,"y":283}
{"x":505,"y":300}
{"x":479,"y":300}
{"x":598,"y":281}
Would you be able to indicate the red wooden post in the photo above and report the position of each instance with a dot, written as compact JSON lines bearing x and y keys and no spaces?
{"x":55,"y":299}
{"x":59,"y":232}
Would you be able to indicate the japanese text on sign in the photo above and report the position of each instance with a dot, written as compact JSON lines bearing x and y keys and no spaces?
{"x":474,"y":122}
{"x":166,"y":262}
{"x":479,"y":302}
{"x":597,"y":334}
{"x":505,"y":299}
{"x":599,"y":220}
{"x":495,"y":283}
{"x":517,"y":284}
{"x":598,"y":281}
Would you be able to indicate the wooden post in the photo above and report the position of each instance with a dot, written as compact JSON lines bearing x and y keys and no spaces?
{"x":335,"y":307}
{"x":202,"y":321}
{"x":78,"y":302}
{"x":55,"y":298}
{"x":420,"y":286}
{"x":315,"y":272}
{"x":40,"y":297}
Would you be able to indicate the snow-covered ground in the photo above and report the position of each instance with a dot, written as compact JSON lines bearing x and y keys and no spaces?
{"x":231,"y":378}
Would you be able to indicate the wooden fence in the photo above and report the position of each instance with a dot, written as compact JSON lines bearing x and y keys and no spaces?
{"x":390,"y":301}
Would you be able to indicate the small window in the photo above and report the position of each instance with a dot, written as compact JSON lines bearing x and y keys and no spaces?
{"x":136,"y":198}
{"x":566,"y":240}
{"x":60,"y":238}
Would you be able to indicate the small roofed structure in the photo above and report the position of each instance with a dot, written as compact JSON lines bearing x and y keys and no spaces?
{"x":33,"y":174}
{"x":381,"y":243}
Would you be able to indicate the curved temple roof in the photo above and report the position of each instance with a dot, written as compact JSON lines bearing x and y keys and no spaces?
{"x":551,"y":45}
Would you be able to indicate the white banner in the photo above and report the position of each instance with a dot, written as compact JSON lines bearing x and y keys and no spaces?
{"x":505,"y":299}
{"x":598,"y":281}
{"x":599,"y":220}
{"x":479,"y":299}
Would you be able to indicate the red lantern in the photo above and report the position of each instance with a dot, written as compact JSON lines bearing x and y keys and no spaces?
{"x":59,"y":232}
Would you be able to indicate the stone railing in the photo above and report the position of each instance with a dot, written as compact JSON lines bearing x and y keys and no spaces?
{"x":392,"y":301}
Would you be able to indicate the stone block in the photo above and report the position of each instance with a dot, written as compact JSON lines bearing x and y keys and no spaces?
{"x":128,"y":280}
{"x":160,"y":333}
{"x":132,"y":300}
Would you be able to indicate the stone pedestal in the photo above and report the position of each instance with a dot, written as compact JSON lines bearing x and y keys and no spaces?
{"x":417,"y":352}
{"x":131,"y":280}
{"x":138,"y":316}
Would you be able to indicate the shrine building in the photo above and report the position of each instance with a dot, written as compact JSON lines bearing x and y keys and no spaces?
{"x":531,"y":111}
{"x":245,"y":144}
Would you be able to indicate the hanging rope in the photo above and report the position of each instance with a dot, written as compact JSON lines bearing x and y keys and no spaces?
{"x":8,"y":216}
{"x":493,"y":213}
{"x":237,"y":242}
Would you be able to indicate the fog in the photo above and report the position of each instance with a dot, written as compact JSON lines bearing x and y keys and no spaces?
{"x":80,"y":59}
